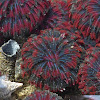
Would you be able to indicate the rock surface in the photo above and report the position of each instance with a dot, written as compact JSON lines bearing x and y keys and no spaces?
{"x":7,"y":87}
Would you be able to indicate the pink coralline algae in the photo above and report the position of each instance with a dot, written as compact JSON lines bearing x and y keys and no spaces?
{"x":20,"y":17}
{"x":87,"y":18}
{"x":50,"y":60}
{"x":57,"y":14}
{"x":43,"y":95}
{"x":89,"y":72}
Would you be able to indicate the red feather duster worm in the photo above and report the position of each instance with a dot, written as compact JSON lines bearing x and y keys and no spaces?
{"x":20,"y":17}
{"x":50,"y":60}
{"x":86,"y":17}
{"x":57,"y":14}
{"x":89,"y":72}
{"x":74,"y":34}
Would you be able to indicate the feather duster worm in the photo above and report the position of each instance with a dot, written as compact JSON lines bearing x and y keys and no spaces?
{"x":43,"y":95}
{"x":75,"y":34}
{"x":57,"y":14}
{"x":94,"y":9}
{"x":20,"y":17}
{"x":89,"y":73}
{"x":50,"y":60}
{"x":86,"y":18}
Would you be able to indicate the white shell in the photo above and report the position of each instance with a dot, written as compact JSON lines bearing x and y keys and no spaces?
{"x":92,"y":97}
{"x":7,"y":87}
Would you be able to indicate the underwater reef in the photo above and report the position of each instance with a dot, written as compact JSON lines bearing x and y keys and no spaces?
{"x":57,"y":51}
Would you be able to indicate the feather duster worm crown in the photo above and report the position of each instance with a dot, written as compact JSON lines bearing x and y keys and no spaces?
{"x":89,"y":73}
{"x":76,"y":35}
{"x":57,"y":14}
{"x":21,"y":16}
{"x":43,"y":95}
{"x":86,"y":18}
{"x":50,"y":60}
{"x":94,"y":9}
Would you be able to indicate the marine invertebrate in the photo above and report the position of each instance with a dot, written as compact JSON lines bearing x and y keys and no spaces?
{"x":57,"y":14}
{"x":86,"y":18}
{"x":89,"y":72}
{"x":43,"y":95}
{"x":7,"y":58}
{"x":75,"y":34}
{"x":20,"y":17}
{"x":51,"y":60}
{"x":94,"y":9}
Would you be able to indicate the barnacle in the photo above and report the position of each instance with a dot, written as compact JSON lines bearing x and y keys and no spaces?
{"x":20,"y":17}
{"x":43,"y":95}
{"x":50,"y":60}
{"x":88,"y":75}
{"x":86,"y":18}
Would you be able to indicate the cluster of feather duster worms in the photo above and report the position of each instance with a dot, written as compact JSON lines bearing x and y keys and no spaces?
{"x":66,"y":49}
